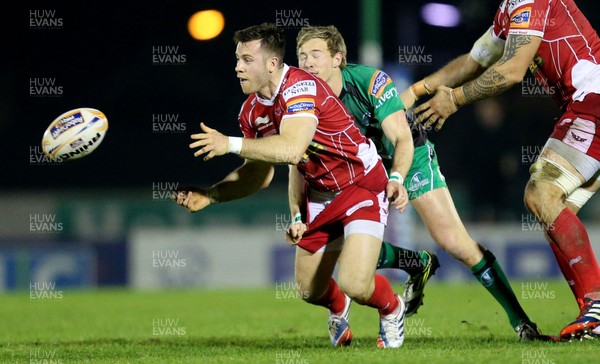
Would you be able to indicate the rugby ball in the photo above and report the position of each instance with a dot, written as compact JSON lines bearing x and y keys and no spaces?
{"x":74,"y":134}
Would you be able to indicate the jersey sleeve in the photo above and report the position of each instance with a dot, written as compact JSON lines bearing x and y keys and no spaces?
{"x":528,"y":17}
{"x":383,"y":95}
{"x":300,"y":99}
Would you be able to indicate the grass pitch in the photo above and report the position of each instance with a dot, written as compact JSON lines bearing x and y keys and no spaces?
{"x":459,"y":323}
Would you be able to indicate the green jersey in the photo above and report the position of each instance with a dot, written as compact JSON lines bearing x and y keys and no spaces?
{"x":371,"y":96}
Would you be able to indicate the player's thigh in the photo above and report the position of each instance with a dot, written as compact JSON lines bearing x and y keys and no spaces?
{"x":565,"y":162}
{"x":313,"y":270}
{"x":438,"y":212}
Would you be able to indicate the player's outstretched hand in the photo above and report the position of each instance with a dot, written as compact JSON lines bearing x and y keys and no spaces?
{"x":193,"y":199}
{"x":397,"y":194}
{"x":294,"y":233}
{"x":209,"y":142}
{"x":437,"y":109}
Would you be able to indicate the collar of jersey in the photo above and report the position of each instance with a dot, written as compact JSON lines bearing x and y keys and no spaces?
{"x":270,"y":102}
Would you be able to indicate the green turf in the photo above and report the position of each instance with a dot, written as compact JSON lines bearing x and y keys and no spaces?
{"x":458,"y":324}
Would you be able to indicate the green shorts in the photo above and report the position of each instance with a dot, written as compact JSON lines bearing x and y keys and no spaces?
{"x":424,"y":174}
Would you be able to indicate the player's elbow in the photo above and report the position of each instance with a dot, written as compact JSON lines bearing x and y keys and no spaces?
{"x":514,"y":78}
{"x":295,"y":159}
{"x":513,"y":75}
{"x":295,"y":154}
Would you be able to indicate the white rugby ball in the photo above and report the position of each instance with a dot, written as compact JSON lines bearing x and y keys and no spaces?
{"x":74,"y":134}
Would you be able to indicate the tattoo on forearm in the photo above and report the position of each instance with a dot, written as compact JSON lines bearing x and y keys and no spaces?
{"x":490,"y":83}
{"x":513,"y":43}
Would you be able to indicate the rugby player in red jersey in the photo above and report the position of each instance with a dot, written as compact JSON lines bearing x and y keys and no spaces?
{"x":557,"y":43}
{"x":292,"y":117}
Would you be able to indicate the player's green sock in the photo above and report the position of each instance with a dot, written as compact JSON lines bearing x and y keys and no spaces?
{"x":489,"y":273}
{"x":392,"y":256}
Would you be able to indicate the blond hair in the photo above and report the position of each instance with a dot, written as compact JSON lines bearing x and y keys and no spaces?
{"x":330,"y":34}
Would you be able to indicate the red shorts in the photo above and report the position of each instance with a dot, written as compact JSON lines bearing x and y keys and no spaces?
{"x":579,"y":126}
{"x":364,"y":200}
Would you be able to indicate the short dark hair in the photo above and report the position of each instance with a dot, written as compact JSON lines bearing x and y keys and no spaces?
{"x":271,"y":38}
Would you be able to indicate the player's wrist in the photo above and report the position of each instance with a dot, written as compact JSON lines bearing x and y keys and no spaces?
{"x":297,"y":218}
{"x":396,"y":176}
{"x":235,"y":145}
{"x":458,"y":96}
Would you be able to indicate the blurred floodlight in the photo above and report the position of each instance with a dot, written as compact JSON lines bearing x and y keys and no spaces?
{"x":440,"y":15}
{"x":206,"y":24}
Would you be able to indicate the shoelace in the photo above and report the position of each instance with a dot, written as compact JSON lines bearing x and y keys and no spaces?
{"x":389,"y":326}
{"x":593,"y":305}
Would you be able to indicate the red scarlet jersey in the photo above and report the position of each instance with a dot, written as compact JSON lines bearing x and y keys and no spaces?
{"x":339,"y":154}
{"x":568,"y":58}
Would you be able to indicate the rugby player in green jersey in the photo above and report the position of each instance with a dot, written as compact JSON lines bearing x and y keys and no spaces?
{"x":371,"y":96}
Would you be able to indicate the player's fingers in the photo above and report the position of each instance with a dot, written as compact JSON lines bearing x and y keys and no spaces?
{"x":206,"y":129}
{"x":433,"y":118}
{"x":440,"y":124}
{"x":186,"y":200}
{"x":419,"y":109}
{"x":424,"y":116}
{"x":210,"y":155}
{"x":179,"y":197}
{"x":290,"y":238}
{"x":199,"y":143}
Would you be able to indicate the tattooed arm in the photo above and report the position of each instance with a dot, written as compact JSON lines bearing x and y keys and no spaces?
{"x":519,"y":50}
{"x":508,"y":71}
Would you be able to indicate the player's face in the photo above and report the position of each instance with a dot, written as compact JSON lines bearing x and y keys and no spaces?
{"x":251,"y":67}
{"x":314,"y":57}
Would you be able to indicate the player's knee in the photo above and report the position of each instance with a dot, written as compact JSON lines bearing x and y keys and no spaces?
{"x":531,"y":198}
{"x":307,"y":292}
{"x":358,"y":290}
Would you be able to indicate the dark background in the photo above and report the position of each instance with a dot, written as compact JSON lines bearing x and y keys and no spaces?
{"x":102,"y":58}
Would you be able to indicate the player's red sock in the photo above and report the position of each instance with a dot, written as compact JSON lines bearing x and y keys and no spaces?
{"x":333,"y":298}
{"x":569,"y":273}
{"x":383,"y":297}
{"x":572,"y":240}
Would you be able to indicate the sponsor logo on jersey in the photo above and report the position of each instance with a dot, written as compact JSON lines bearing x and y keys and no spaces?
{"x":521,"y":18}
{"x":388,"y":95}
{"x":536,"y":63}
{"x":313,"y":148}
{"x":513,"y":4}
{"x":299,"y":105}
{"x":378,"y":83}
{"x":301,"y":88}
{"x":65,"y":124}
{"x":261,"y":120}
